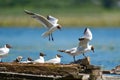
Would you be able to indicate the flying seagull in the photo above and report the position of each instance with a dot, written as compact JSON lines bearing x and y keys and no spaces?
{"x":49,"y":22}
{"x":83,"y":46}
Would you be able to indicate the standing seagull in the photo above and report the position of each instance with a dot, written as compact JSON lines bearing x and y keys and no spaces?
{"x":18,"y":59}
{"x":55,"y":60}
{"x":50,"y":22}
{"x":41,"y":59}
{"x":83,"y":46}
{"x":4,"y":51}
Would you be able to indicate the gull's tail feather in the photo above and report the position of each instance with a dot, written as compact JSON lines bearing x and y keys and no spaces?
{"x":61,"y":50}
{"x":45,"y":34}
{"x":28,"y":12}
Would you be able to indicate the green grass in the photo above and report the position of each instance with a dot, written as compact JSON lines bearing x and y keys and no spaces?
{"x":73,"y":16}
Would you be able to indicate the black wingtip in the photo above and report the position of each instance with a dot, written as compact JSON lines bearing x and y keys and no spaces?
{"x":28,"y":12}
{"x":61,"y":50}
{"x":80,"y":39}
{"x":85,"y":30}
{"x":48,"y":17}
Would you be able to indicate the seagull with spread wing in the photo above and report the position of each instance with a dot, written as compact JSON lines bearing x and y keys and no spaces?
{"x":83,"y":46}
{"x":49,"y":22}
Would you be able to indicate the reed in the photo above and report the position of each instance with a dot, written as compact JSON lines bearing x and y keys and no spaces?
{"x":76,"y":20}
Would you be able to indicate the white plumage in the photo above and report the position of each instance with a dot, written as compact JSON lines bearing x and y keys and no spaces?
{"x":29,"y":60}
{"x":50,"y":23}
{"x":4,"y":51}
{"x":41,"y":59}
{"x":83,"y":46}
{"x":55,"y":60}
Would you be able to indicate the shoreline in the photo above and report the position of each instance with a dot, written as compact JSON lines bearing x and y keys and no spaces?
{"x":107,"y":20}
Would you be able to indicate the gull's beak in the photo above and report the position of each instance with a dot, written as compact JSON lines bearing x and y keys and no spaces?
{"x":59,"y":27}
{"x":23,"y":58}
{"x":45,"y":55}
{"x":93,"y":51}
{"x":61,"y":56}
{"x":92,"y":48}
{"x":42,"y":54}
{"x":8,"y":46}
{"x":80,"y":39}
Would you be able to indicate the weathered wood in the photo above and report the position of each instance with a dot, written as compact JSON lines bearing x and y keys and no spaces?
{"x":65,"y":71}
{"x":80,"y":71}
{"x":21,"y":76}
{"x":96,"y":75}
{"x":106,"y":72}
{"x":45,"y":69}
{"x":84,"y":61}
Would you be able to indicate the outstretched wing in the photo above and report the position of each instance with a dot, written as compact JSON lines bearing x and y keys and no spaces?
{"x":52,"y":19}
{"x":84,"y":41}
{"x":40,"y":18}
{"x":87,"y":34}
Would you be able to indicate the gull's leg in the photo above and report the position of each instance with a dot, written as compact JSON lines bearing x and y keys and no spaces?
{"x":52,"y":37}
{"x":0,"y":60}
{"x":74,"y":58}
{"x":49,"y":37}
{"x":84,"y":55}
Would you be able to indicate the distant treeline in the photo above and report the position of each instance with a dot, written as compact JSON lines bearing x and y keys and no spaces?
{"x":57,"y":3}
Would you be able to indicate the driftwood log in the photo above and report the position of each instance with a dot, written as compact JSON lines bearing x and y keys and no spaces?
{"x":80,"y":70}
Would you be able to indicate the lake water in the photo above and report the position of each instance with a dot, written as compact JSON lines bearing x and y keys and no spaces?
{"x":28,"y":42}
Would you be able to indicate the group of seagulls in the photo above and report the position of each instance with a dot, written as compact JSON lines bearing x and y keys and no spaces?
{"x":41,"y":59}
{"x":51,"y":24}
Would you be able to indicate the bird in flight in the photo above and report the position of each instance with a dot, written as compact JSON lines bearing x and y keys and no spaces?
{"x":48,"y":22}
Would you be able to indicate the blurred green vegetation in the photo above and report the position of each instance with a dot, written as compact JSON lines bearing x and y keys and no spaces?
{"x":69,"y":12}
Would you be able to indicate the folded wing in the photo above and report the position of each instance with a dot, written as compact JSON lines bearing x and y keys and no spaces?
{"x":51,"y":60}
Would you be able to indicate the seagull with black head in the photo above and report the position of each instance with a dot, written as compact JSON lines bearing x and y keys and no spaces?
{"x":41,"y":58}
{"x":49,"y":22}
{"x":4,"y":51}
{"x":83,"y":46}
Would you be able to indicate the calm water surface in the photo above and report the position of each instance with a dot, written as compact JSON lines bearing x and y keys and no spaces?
{"x":28,"y":42}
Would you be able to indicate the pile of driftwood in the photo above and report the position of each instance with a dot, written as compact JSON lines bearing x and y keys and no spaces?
{"x":81,"y":70}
